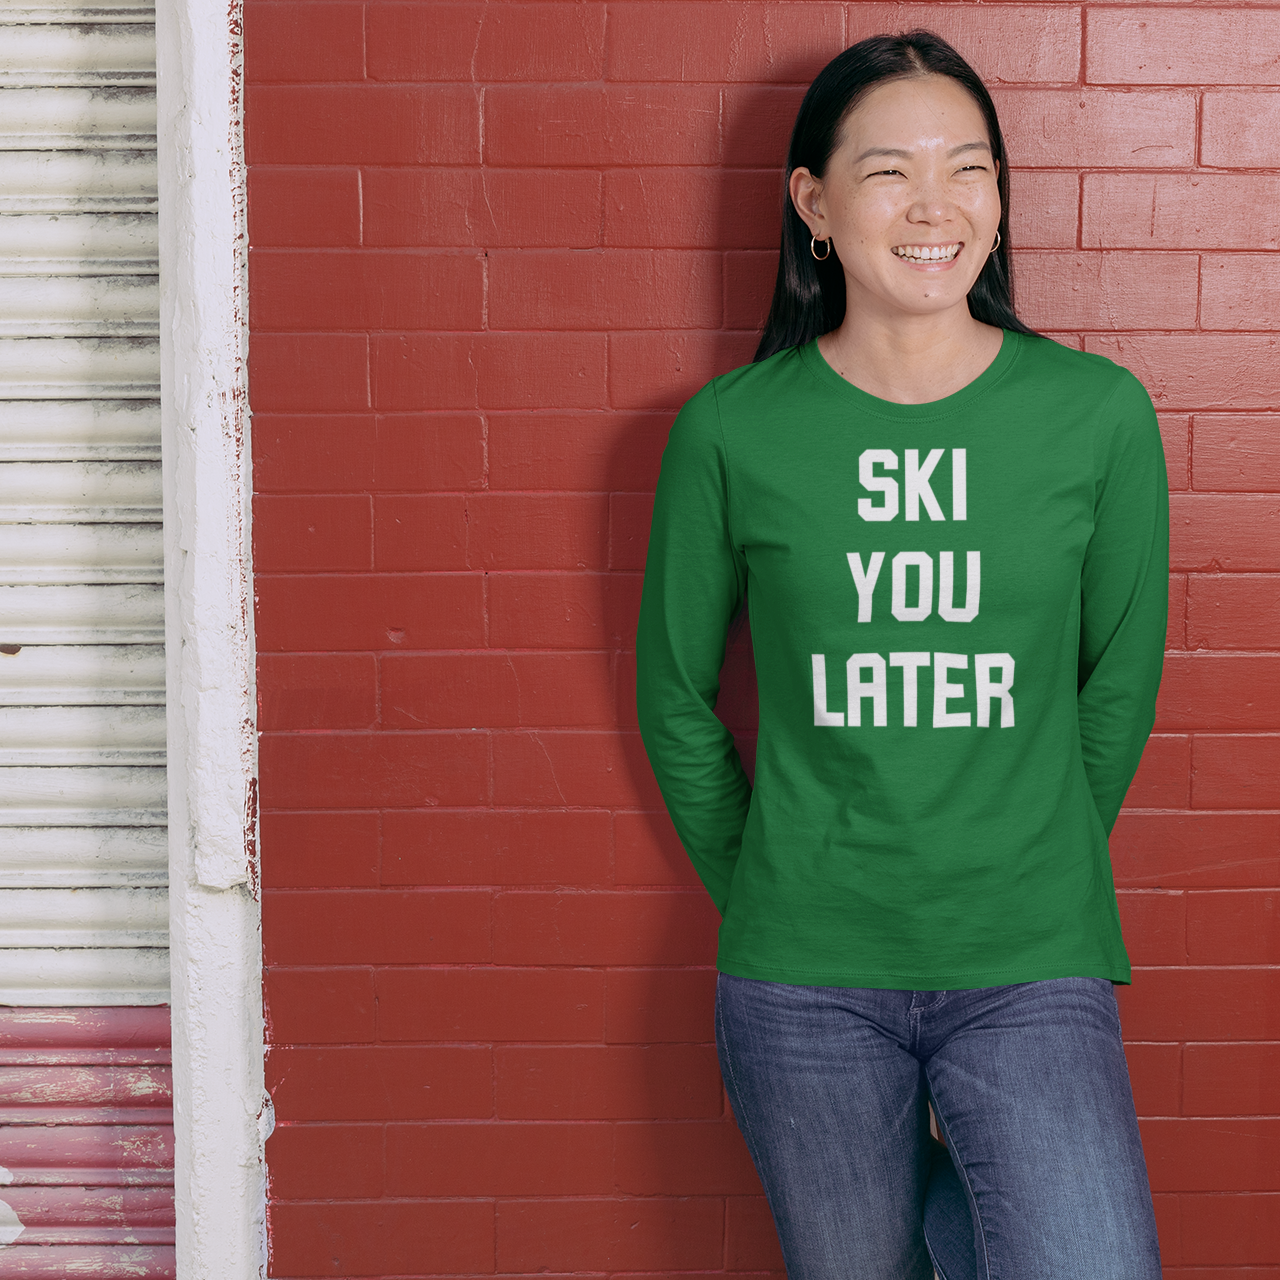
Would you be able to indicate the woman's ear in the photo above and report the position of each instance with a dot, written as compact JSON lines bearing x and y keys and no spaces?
{"x":806,"y":194}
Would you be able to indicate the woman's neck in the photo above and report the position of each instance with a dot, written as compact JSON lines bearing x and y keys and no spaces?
{"x":910,"y":359}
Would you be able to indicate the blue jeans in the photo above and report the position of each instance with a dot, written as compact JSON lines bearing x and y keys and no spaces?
{"x":1042,"y":1176}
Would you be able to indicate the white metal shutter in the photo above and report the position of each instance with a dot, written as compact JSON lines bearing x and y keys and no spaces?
{"x":83,"y":904}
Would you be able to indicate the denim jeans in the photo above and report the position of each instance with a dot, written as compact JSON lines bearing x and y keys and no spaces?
{"x":1042,"y":1177}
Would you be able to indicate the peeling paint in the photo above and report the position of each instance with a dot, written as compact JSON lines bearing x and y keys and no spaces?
{"x":10,"y":1225}
{"x":220,"y":1126}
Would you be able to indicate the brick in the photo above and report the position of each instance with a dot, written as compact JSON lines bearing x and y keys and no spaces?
{"x":287,"y":41}
{"x":325,"y":1162}
{"x":319,"y":1006}
{"x":408,"y":611}
{"x":420,"y":532}
{"x":604,"y":928}
{"x":716,"y":42}
{"x":1234,"y":927}
{"x":1235,"y":771}
{"x":499,"y":1159}
{"x":1098,"y":128}
{"x":749,"y":279}
{"x":1155,"y":926}
{"x":1176,"y":631}
{"x":362,"y":124}
{"x":1236,"y":291}
{"x":490,"y":371}
{"x":1212,"y":1155}
{"x":689,"y":208}
{"x":297,"y":373}
{"x":528,"y":531}
{"x":381,"y":1082}
{"x":1044,"y":209}
{"x":277,"y":198}
{"x":295,"y":453}
{"x":648,"y":851}
{"x":1175,"y":432}
{"x":563,"y":611}
{"x":654,"y":371}
{"x":366,"y":770}
{"x":1162,"y":778}
{"x":491,"y":1004}
{"x":1180,"y":211}
{"x":442,"y":847}
{"x":497,"y":690}
{"x":515,"y":208}
{"x":365,"y":289}
{"x":617,"y":289}
{"x":1196,"y":850}
{"x":614,"y":1235}
{"x":647,"y":1006}
{"x":1233,"y":611}
{"x":1008,"y":44}
{"x":1180,"y":46}
{"x":751,"y":1240}
{"x":564,"y":768}
{"x":429,"y":451}
{"x":1155,"y":1071}
{"x":1237,"y":452}
{"x":309,"y":850}
{"x":1229,"y":1079}
{"x":312,"y":532}
{"x":1201,"y":1004}
{"x":382,"y":1238}
{"x":613,"y":1082}
{"x":1238,"y":129}
{"x":1224,"y":1230}
{"x":686,"y":1158}
{"x":525,"y":42}
{"x":582,"y":126}
{"x":316,"y":691}
{"x":1213,"y":691}
{"x":1083,"y":290}
{"x":1199,"y":371}
{"x":758,"y":120}
{"x":386,"y":926}
{"x":586,"y":451}
{"x":399,"y":47}
{"x":1224,"y":532}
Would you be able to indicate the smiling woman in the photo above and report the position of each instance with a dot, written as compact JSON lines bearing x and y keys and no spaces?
{"x":917,"y":895}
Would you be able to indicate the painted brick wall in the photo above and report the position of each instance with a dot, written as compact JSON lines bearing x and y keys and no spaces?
{"x":494,"y":246}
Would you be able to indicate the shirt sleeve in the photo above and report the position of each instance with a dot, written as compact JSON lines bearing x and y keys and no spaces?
{"x":694,"y":583}
{"x":1124,"y":599}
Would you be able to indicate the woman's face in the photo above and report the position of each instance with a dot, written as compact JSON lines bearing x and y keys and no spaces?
{"x":909,"y":198}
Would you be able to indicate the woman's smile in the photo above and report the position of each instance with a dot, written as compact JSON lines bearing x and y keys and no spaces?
{"x":929,"y":257}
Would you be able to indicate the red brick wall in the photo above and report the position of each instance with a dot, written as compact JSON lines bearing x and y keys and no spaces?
{"x":494,"y":247}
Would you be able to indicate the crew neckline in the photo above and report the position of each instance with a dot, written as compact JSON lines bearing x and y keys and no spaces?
{"x":817,"y":365}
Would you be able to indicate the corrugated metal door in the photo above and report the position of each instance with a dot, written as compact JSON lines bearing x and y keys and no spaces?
{"x":86,"y":1147}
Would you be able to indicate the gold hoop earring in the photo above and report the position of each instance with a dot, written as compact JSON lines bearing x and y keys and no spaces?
{"x":995,"y":246}
{"x":813,"y":248}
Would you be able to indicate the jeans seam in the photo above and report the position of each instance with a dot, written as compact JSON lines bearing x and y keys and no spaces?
{"x":968,"y":1186}
{"x":743,"y":1123}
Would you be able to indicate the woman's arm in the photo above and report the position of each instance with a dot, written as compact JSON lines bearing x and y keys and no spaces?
{"x":694,"y":582}
{"x":1124,"y":600}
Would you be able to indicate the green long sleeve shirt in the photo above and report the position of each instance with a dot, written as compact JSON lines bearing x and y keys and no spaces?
{"x":958,"y":614}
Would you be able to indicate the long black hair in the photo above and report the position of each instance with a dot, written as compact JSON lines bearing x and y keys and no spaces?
{"x":809,"y":297}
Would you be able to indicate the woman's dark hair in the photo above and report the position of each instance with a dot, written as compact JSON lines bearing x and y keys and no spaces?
{"x":809,"y":297}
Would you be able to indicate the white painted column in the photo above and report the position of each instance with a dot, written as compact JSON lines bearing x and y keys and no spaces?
{"x":221,"y":1113}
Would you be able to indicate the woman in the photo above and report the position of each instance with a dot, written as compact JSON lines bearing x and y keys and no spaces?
{"x":953,"y":537}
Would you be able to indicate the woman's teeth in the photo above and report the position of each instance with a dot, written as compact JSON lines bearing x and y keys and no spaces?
{"x":928,"y":253}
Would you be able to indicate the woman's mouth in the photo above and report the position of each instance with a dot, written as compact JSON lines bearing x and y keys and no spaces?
{"x":925,"y":253}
